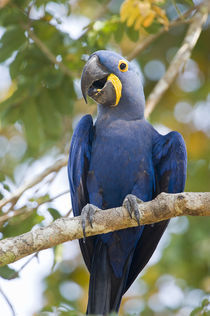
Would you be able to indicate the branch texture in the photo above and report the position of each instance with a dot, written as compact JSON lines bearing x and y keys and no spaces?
{"x":178,"y":61}
{"x":163,"y":207}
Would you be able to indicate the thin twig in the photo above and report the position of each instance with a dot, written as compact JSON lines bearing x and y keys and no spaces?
{"x":47,"y":52}
{"x":16,"y":273}
{"x":13,"y":213}
{"x":178,"y":61}
{"x":69,"y":212}
{"x":54,"y":197}
{"x":4,"y":218}
{"x":8,"y":301}
{"x":177,"y":9}
{"x":13,"y":198}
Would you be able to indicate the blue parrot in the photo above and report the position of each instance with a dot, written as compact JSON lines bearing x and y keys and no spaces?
{"x":119,"y":159}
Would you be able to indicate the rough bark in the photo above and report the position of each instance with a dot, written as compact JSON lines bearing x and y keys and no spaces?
{"x":163,"y":207}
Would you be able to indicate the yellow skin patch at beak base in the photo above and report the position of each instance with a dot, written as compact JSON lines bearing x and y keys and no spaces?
{"x":117,"y":86}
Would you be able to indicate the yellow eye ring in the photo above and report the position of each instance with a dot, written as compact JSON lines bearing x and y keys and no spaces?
{"x":123,"y":65}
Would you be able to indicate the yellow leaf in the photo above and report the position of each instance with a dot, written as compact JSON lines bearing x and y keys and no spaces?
{"x":126,"y":9}
{"x":162,"y":18}
{"x":157,"y":1}
{"x":158,"y":10}
{"x":132,"y":18}
{"x":149,"y":19}
{"x":164,"y":22}
{"x":138,"y":23}
{"x":144,"y":8}
{"x":142,"y":12}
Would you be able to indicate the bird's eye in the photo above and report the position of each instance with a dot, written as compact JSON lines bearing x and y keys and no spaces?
{"x":123,"y":65}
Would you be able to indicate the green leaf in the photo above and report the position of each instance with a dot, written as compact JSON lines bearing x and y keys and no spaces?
{"x":205,"y":302}
{"x":190,"y":2}
{"x":44,"y":30}
{"x":16,"y":66}
{"x":29,"y":66}
{"x":118,"y":34}
{"x":154,"y":27}
{"x":11,"y":41}
{"x":64,"y":98}
{"x":8,"y":273}
{"x":54,"y":213}
{"x":11,"y":115}
{"x":51,"y":118}
{"x":132,"y":34}
{"x":6,"y":187}
{"x":21,"y":224}
{"x":58,"y":254}
{"x":2,"y":176}
{"x":22,"y":3}
{"x":52,"y":78}
{"x":32,"y":123}
{"x":196,"y":312}
{"x":15,"y":100}
{"x":11,"y":16}
{"x":41,"y":199}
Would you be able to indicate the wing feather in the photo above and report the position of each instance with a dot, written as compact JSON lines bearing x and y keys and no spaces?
{"x":170,"y":164}
{"x":78,"y":167}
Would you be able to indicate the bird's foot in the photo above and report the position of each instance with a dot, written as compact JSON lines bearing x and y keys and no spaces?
{"x":87,"y":214}
{"x":131,"y":203}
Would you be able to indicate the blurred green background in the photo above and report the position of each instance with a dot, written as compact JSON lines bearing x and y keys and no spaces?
{"x":43,"y":48}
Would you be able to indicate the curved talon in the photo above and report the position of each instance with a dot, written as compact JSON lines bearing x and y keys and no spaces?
{"x":87,"y":214}
{"x":131,"y":204}
{"x":126,"y":204}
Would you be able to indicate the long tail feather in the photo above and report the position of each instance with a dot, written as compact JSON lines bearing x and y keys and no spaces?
{"x":105,"y":289}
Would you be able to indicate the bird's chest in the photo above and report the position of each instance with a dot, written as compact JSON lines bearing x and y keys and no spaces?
{"x":119,"y":155}
{"x":115,"y":150}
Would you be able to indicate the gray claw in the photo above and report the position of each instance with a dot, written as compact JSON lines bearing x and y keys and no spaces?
{"x":87,"y":215}
{"x":131,"y":204}
{"x":127,"y":205}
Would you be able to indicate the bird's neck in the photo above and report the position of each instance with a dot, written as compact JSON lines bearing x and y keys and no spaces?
{"x":125,"y":110}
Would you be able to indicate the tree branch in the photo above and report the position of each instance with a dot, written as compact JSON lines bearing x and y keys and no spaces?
{"x":13,"y":198}
{"x":45,"y":50}
{"x":179,"y":60}
{"x":163,"y":207}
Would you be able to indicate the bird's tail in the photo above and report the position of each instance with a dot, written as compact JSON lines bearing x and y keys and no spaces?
{"x":105,"y":289}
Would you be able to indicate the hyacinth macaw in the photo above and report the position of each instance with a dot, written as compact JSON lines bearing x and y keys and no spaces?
{"x":120,"y":159}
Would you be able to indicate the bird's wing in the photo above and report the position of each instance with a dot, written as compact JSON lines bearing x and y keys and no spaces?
{"x":78,"y":166}
{"x":170,"y":164}
{"x":170,"y":161}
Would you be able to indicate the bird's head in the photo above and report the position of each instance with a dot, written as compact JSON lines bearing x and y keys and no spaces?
{"x":112,"y":82}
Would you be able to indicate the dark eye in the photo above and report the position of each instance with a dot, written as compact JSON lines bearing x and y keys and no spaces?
{"x":123,"y":65}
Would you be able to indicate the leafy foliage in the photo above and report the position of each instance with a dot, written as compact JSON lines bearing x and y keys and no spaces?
{"x":143,"y":13}
{"x":203,"y":310}
{"x":8,"y":273}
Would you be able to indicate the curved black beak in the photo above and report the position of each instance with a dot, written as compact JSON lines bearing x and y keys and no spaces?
{"x":93,"y":72}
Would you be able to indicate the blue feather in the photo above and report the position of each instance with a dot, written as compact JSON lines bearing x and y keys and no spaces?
{"x":121,"y":154}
